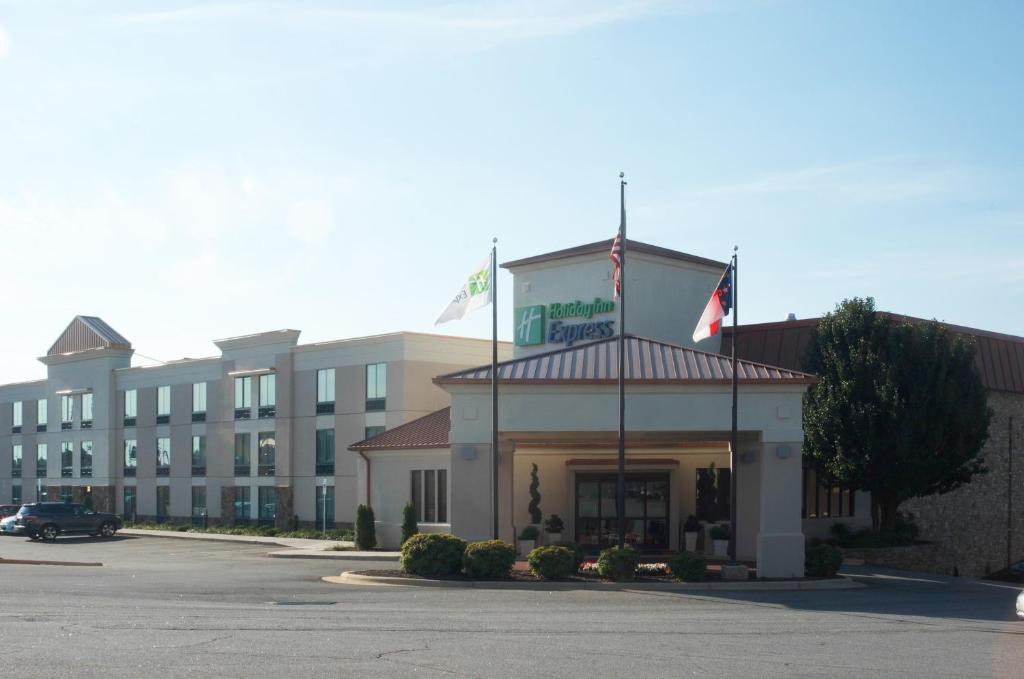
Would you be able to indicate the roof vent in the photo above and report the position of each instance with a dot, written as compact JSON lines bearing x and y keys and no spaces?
{"x":791,"y":316}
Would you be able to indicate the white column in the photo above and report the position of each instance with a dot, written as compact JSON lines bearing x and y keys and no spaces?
{"x":780,"y":540}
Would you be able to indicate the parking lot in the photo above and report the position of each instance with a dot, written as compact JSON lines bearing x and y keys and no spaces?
{"x":175,"y":607}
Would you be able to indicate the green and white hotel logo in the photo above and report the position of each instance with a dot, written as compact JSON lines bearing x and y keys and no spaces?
{"x":544,"y":324}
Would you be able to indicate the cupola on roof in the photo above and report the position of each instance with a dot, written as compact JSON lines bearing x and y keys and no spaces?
{"x":85,"y":333}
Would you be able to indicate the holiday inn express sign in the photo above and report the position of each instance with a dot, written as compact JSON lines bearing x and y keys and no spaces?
{"x":554,"y":323}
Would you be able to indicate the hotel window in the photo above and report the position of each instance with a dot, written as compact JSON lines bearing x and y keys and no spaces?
{"x":325,"y":452}
{"x":370,"y":432}
{"x":41,"y":460}
{"x":198,"y":504}
{"x":163,"y":503}
{"x":266,"y":453}
{"x":16,"y":460}
{"x":429,"y":492}
{"x":268,"y":395}
{"x":199,"y":402}
{"x":163,"y":456}
{"x":198,"y":456}
{"x":129,"y":503}
{"x":86,"y":411}
{"x":243,"y":398}
{"x":42,"y":494}
{"x":131,"y":407}
{"x":376,"y":386}
{"x":243,"y":504}
{"x":16,"y":421}
{"x":268,"y":504}
{"x":325,"y":391}
{"x":67,"y":412}
{"x":66,"y":494}
{"x":16,"y":495}
{"x":131,"y":460}
{"x":41,"y":415}
{"x":712,"y":493}
{"x":242,"y":465}
{"x":824,"y":498}
{"x":324,"y":505}
{"x":163,"y":405}
{"x":67,"y":459}
{"x":85,"y":459}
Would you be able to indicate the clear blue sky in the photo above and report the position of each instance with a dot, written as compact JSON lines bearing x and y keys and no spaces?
{"x":190,"y":171}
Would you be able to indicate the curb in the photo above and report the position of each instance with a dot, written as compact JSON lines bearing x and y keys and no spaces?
{"x":351,"y":578}
{"x":42,"y":562}
{"x":331,"y":554}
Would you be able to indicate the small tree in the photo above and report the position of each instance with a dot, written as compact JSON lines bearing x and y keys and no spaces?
{"x":534,"y":508}
{"x":409,"y":527}
{"x":899,"y":409}
{"x":366,"y":532}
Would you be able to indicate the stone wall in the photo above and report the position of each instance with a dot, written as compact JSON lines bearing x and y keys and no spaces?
{"x":916,"y":557}
{"x":969,"y":525}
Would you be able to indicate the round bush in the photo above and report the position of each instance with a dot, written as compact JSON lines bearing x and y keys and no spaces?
{"x":618,"y":564}
{"x":552,"y":562}
{"x":822,"y":561}
{"x":577,"y":553}
{"x":489,"y":559}
{"x":687,"y":567}
{"x":433,"y":554}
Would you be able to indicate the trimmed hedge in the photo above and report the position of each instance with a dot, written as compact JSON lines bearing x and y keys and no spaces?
{"x":822,"y":561}
{"x":366,"y":530}
{"x":489,"y":560}
{"x":409,"y":527}
{"x":578,"y":553}
{"x":433,"y":554}
{"x":552,"y":562}
{"x":618,"y":564}
{"x":687,"y":567}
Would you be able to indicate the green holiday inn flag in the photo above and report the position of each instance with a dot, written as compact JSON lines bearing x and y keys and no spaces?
{"x":476,"y":292}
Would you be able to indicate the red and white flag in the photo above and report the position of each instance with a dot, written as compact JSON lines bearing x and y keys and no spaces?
{"x":718,"y":306}
{"x":616,"y":256}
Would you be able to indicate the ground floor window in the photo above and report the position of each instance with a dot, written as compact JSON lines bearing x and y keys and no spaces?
{"x":198,"y":503}
{"x":66,"y":495}
{"x":429,"y":494}
{"x":268,"y":504}
{"x":15,"y":495}
{"x":324,"y":505}
{"x":823,"y":497}
{"x":129,"y":503}
{"x":243,"y":504}
{"x":163,"y":502}
{"x":646,"y":510}
{"x":42,"y":495}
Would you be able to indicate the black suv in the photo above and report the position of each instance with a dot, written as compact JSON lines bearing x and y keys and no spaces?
{"x":47,"y":520}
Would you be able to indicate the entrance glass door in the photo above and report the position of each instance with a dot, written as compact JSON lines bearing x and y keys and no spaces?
{"x":647,"y":510}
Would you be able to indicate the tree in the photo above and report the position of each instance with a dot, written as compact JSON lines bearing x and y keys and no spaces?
{"x":409,"y":527}
{"x":366,"y":531}
{"x":534,"y":507}
{"x":899,"y":409}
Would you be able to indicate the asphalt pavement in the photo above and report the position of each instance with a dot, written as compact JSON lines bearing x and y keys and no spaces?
{"x":175,"y":608}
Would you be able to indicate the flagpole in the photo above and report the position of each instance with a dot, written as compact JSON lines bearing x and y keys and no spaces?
{"x":494,"y":380}
{"x":732,"y":439}
{"x":620,"y":508}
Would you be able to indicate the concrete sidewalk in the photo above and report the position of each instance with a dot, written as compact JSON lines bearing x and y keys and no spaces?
{"x":297,"y":548}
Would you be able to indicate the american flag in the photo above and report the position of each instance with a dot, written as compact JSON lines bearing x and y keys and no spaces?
{"x":616,"y":256}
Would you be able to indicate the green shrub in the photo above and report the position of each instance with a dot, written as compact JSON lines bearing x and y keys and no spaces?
{"x":366,"y":532}
{"x":534,"y":507}
{"x":529,"y":533}
{"x":552,"y":562}
{"x":489,"y":559}
{"x":433,"y":554}
{"x":692,"y":525}
{"x":822,"y":561}
{"x":687,"y":567}
{"x":719,"y":532}
{"x":578,"y":554}
{"x":618,"y":564}
{"x":554,"y":524}
{"x":409,"y":527}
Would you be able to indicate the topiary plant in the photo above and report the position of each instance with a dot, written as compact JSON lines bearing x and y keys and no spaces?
{"x":719,"y":532}
{"x":534,"y":507}
{"x":366,"y":531}
{"x":822,"y":561}
{"x":618,"y":564}
{"x":409,"y":527}
{"x":552,"y":562}
{"x":554,"y":524}
{"x":687,"y":567}
{"x":489,"y":560}
{"x":529,"y":533}
{"x":433,"y":554}
{"x":692,"y":525}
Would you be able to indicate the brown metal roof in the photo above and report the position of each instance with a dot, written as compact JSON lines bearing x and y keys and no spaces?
{"x":429,"y":431}
{"x":647,"y":362}
{"x":605,"y":246}
{"x":999,"y":359}
{"x":85,"y":333}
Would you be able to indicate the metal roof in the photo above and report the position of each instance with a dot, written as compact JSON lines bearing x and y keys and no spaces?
{"x":605,"y":246}
{"x":647,"y":362}
{"x":999,"y":358}
{"x":429,"y":431}
{"x":85,"y":333}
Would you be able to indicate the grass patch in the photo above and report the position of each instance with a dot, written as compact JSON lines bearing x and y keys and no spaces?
{"x":256,"y":531}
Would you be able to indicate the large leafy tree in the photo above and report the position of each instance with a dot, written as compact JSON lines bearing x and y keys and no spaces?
{"x":899,"y":409}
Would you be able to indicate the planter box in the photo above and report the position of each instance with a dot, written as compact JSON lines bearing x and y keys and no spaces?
{"x":690,"y":542}
{"x":554,"y":538}
{"x":721,"y":547}
{"x":526,"y":546}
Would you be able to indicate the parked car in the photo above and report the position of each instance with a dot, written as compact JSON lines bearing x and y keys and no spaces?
{"x":1020,"y":604}
{"x":8,"y":526}
{"x":47,"y":520}
{"x":8,"y":510}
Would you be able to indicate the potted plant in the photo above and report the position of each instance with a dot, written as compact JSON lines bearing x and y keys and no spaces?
{"x":528,"y":539}
{"x":720,"y":540}
{"x":553,"y":527}
{"x":690,"y":531}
